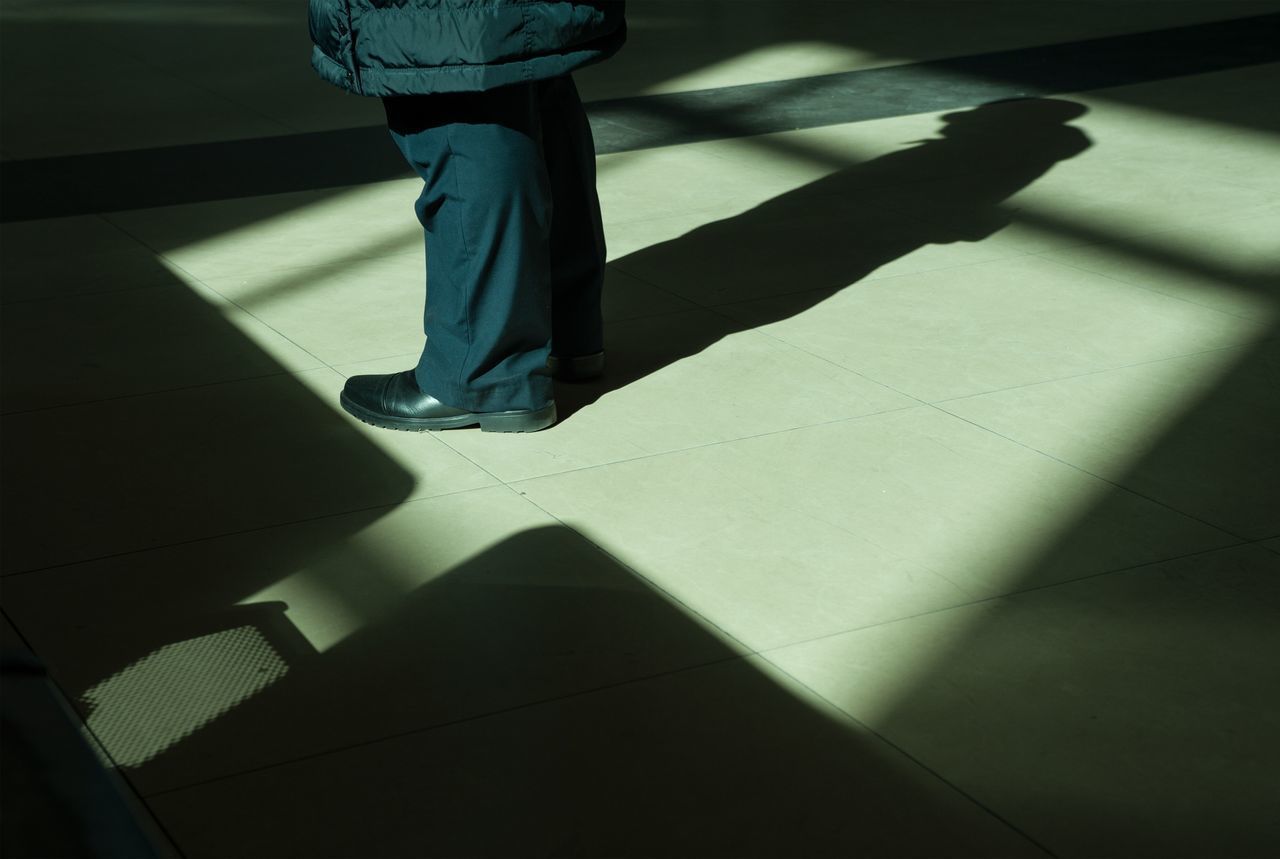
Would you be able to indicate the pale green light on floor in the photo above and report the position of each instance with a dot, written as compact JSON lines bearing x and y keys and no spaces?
{"x":311,"y":237}
{"x":322,"y":607}
{"x":1089,"y":201}
{"x":781,"y":61}
{"x":164,"y":697}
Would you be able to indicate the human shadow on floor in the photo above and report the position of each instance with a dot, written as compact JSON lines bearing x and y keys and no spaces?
{"x":803,"y":246}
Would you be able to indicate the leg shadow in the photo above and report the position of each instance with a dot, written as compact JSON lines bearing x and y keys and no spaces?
{"x":811,"y":242}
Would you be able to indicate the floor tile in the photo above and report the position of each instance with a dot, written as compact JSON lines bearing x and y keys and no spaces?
{"x":1244,"y":158}
{"x":627,"y":297}
{"x":435,"y":469}
{"x":798,"y":534}
{"x":623,"y":239}
{"x":132,"y":473}
{"x":85,"y":348}
{"x":653,"y":183}
{"x":69,"y":274}
{"x":813,"y":154}
{"x":366,"y":310}
{"x":673,"y":382}
{"x":1096,"y":716}
{"x":764,"y":63}
{"x":199,"y":661}
{"x":977,"y":328}
{"x":719,"y":761}
{"x":360,"y":310}
{"x":751,"y":559}
{"x":1120,"y":121}
{"x":1212,"y":112}
{"x":1142,"y":168}
{"x":55,"y":258}
{"x":248,"y":236}
{"x":1132,"y":195}
{"x":1196,"y":433}
{"x":1228,"y":265}
{"x":1080,"y":202}
{"x":786,"y":246}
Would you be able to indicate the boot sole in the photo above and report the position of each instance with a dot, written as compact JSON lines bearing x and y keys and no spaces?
{"x":524,"y":420}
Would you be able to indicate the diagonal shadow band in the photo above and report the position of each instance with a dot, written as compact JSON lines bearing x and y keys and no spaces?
{"x":117,"y":181}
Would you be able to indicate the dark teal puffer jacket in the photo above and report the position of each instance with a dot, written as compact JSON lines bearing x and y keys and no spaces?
{"x":414,"y":47}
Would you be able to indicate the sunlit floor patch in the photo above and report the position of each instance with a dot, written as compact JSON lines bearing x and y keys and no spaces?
{"x":172,"y":692}
{"x":775,"y":62}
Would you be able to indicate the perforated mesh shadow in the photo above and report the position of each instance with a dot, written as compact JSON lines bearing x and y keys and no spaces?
{"x":169,"y":694}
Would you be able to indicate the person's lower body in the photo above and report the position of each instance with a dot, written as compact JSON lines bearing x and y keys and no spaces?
{"x":515,"y":259}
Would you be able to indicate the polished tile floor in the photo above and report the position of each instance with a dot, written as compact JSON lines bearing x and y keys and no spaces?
{"x":929,"y":506}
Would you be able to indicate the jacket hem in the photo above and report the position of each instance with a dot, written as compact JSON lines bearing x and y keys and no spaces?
{"x":474,"y":78}
{"x":334,"y":72}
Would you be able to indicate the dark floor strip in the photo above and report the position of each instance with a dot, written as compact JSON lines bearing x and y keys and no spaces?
{"x":739,"y":111}
{"x":115,"y":181}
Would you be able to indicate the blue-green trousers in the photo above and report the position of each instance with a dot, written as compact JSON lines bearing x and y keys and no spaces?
{"x":515,"y":247}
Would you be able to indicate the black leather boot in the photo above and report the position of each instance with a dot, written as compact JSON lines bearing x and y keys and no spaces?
{"x":393,"y":401}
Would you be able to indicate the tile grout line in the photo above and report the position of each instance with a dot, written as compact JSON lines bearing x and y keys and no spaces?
{"x":173,"y":264}
{"x":766,"y":655}
{"x":1118,"y":367}
{"x":499,"y":481}
{"x":1117,"y":279}
{"x":269,"y":327}
{"x":727,"y":441}
{"x":157,"y":392}
{"x":1085,"y":471}
{"x":512,"y":483}
{"x":918,"y":403}
{"x":252,"y":530}
{"x":915,"y":760}
{"x":727,"y":639}
{"x":1001,"y":597}
{"x":1053,"y":380}
{"x":462,"y":720}
{"x":656,"y":588}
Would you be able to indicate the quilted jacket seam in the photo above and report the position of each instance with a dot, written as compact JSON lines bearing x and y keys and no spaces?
{"x":351,"y":41}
